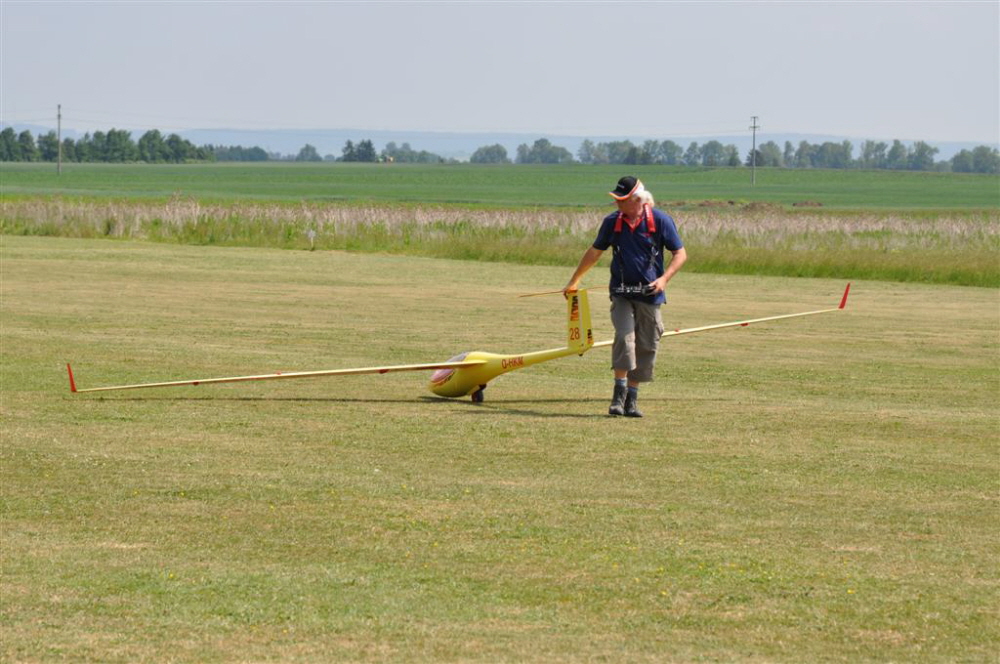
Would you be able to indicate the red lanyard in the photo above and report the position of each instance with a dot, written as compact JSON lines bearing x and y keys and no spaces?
{"x":633,"y":224}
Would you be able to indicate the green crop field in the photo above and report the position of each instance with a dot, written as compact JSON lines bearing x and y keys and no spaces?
{"x":821,"y":489}
{"x":510,"y":185}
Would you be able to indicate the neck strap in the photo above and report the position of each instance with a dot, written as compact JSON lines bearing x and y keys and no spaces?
{"x":647,"y":213}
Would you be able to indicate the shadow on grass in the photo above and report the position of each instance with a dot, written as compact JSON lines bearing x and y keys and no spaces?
{"x":600,"y":406}
{"x":494,"y":406}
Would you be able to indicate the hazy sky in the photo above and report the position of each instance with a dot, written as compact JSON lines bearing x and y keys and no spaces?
{"x":910,"y":70}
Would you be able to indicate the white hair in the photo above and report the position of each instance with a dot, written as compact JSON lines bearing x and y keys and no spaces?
{"x":644,"y":195}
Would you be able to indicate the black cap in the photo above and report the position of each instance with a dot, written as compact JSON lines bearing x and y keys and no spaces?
{"x":625,"y":188}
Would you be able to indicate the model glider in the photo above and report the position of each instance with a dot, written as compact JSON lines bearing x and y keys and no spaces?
{"x":467,"y":374}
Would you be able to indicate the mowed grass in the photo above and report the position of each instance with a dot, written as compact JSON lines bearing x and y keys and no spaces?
{"x":817,"y":489}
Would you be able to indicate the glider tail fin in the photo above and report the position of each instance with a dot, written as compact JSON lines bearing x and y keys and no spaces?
{"x":580,"y":334}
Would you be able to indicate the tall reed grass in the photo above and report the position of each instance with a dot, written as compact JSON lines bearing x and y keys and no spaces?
{"x":953,"y":248}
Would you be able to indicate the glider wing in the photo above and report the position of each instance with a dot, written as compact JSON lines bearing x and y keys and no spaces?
{"x":279,"y":375}
{"x":743,"y":323}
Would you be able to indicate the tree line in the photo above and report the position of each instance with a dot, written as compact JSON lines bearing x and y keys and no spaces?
{"x":117,"y":146}
{"x":365,"y":151}
{"x":114,"y":146}
{"x":873,"y":155}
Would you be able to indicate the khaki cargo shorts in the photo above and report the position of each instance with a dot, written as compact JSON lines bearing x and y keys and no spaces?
{"x":638,"y":328}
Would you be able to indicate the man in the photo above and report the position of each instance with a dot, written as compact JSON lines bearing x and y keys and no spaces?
{"x":638,"y":234}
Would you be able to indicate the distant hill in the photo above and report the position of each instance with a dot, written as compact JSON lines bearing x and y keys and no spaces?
{"x":457,"y":145}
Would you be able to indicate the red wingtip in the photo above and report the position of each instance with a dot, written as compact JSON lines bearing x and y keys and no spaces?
{"x":843,"y":300}
{"x":72,"y":383}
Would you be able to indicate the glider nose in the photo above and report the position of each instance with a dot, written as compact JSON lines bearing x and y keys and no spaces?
{"x":450,"y":381}
{"x":441,"y":376}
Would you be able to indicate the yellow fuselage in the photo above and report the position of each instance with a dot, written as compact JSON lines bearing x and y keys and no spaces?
{"x":463,"y":381}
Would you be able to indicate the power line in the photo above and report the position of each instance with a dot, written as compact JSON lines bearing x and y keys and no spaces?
{"x":753,"y":151}
{"x":59,"y":137}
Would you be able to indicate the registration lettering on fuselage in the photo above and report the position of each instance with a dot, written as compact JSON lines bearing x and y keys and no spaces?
{"x":512,"y":362}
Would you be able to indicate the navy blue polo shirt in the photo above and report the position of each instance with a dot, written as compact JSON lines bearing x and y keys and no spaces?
{"x":639,"y":259}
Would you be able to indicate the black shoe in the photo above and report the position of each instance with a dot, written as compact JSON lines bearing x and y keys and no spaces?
{"x":631,"y":407}
{"x":618,"y":401}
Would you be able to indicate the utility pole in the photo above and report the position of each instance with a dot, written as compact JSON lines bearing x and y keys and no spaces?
{"x":59,"y":137}
{"x":753,"y":151}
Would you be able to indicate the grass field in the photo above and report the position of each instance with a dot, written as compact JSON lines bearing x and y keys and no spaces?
{"x":821,"y":489}
{"x":578,"y":186}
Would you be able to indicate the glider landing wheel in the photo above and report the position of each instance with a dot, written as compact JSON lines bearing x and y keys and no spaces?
{"x":477,"y":396}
